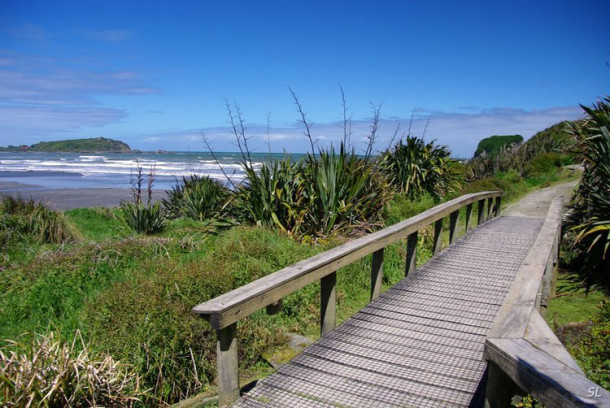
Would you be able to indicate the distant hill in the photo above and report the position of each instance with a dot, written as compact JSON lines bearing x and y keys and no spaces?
{"x":556,"y":136}
{"x":492,"y":145}
{"x":96,"y":145}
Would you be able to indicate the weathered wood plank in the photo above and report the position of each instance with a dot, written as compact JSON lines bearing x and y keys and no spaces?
{"x":226,"y":358}
{"x":547,"y":379}
{"x":515,"y":314}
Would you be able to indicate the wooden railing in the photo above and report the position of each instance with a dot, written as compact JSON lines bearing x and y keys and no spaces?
{"x":523,"y":353}
{"x":226,"y":310}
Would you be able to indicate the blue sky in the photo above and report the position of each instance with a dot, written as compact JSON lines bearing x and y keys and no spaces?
{"x":158,"y":74}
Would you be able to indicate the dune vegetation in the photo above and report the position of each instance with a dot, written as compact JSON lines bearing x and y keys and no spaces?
{"x":122,"y":281}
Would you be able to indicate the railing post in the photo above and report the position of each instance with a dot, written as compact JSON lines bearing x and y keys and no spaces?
{"x":480,"y":213}
{"x":376,"y":274}
{"x":226,"y":358}
{"x":328,"y":307}
{"x":438,"y":237}
{"x":454,"y":226}
{"x":490,"y":206}
{"x":498,"y":206}
{"x":468,"y":217}
{"x":411,"y":261}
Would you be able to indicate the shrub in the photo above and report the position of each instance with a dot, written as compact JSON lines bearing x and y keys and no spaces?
{"x":416,"y":168}
{"x":545,"y":163}
{"x":196,"y":197}
{"x":148,"y":321}
{"x":48,"y":372}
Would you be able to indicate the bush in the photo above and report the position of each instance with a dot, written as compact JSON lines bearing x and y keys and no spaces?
{"x":417,"y":168}
{"x":196,"y":197}
{"x":147,"y":320}
{"x":48,"y":372}
{"x":545,"y":163}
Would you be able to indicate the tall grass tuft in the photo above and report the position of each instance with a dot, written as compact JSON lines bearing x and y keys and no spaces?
{"x":48,"y":372}
{"x":37,"y":220}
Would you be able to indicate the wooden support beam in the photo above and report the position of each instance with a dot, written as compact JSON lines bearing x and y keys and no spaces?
{"x":468,"y":218}
{"x":490,"y":206}
{"x":226,"y":357}
{"x":376,"y":274}
{"x":411,"y":261}
{"x":480,"y":213}
{"x":454,"y":226}
{"x":328,"y":307}
{"x":438,"y":237}
{"x":498,"y":206}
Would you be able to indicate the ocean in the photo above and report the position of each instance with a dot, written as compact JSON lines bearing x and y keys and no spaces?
{"x":116,"y":170}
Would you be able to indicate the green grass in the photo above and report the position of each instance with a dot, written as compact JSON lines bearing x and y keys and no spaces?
{"x":571,"y":302}
{"x":98,"y":224}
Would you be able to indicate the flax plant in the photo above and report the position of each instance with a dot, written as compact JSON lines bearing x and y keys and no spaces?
{"x":590,"y":205}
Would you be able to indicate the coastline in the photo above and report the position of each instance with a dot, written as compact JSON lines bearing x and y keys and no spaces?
{"x":70,"y":198}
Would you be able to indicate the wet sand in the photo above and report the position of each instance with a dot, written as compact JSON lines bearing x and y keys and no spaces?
{"x":68,"y":198}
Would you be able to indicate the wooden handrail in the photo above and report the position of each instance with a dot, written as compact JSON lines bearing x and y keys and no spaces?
{"x":223,"y":312}
{"x":523,"y":353}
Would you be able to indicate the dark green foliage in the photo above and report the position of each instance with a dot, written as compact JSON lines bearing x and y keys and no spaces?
{"x":196,"y":197}
{"x":590,"y":215}
{"x":99,"y":144}
{"x":490,"y":146}
{"x":416,"y":168}
{"x":36,"y":220}
{"x":275,"y":196}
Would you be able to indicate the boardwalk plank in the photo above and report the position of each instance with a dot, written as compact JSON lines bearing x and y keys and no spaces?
{"x":419,"y":344}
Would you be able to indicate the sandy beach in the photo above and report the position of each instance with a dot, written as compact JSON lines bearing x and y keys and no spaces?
{"x":68,"y":198}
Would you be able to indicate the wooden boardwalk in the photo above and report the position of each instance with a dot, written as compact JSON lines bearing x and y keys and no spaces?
{"x":421,"y":343}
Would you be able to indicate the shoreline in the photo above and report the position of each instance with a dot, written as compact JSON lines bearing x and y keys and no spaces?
{"x":70,"y":198}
